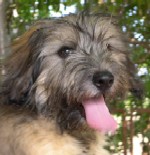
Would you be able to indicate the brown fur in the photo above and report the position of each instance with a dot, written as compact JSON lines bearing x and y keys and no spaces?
{"x":41,"y":95}
{"x":24,"y":133}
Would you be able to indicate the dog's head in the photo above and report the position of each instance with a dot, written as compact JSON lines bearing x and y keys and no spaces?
{"x":68,"y":60}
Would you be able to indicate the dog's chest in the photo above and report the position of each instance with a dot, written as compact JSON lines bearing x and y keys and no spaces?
{"x":93,"y":148}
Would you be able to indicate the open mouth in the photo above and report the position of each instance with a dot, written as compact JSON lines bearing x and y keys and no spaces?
{"x":98,"y":116}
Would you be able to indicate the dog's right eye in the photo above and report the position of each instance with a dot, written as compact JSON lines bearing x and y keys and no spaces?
{"x":64,"y":52}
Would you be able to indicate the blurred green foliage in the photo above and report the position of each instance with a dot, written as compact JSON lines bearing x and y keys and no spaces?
{"x":134,"y":19}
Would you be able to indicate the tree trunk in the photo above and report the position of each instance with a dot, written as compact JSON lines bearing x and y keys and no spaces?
{"x":2,"y":28}
{"x":3,"y":35}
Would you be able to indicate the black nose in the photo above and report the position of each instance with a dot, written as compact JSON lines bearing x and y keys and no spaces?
{"x":103,"y":80}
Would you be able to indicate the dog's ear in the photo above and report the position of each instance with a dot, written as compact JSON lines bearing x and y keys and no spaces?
{"x":23,"y":65}
{"x":136,"y":84}
{"x":137,"y":88}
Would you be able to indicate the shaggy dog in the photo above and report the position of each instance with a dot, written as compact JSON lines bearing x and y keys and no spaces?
{"x":58,"y":77}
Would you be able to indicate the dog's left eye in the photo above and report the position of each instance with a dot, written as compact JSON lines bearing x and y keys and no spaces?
{"x":109,"y":47}
{"x":64,"y":52}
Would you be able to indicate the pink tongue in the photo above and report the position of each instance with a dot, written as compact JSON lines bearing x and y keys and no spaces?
{"x":98,"y":116}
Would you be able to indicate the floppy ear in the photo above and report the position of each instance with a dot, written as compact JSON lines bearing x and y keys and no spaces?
{"x":23,"y":66}
{"x":137,"y":88}
{"x":136,"y":85}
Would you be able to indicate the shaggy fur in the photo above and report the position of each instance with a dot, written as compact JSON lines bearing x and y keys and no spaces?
{"x":49,"y":74}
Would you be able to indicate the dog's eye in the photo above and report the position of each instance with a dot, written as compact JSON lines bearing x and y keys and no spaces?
{"x":64,"y":52}
{"x":109,"y":47}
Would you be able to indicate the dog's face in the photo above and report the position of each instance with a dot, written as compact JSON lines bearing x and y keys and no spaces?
{"x":62,"y":62}
{"x":84,"y":58}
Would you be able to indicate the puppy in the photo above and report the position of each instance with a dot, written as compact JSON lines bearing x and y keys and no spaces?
{"x":58,"y":79}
